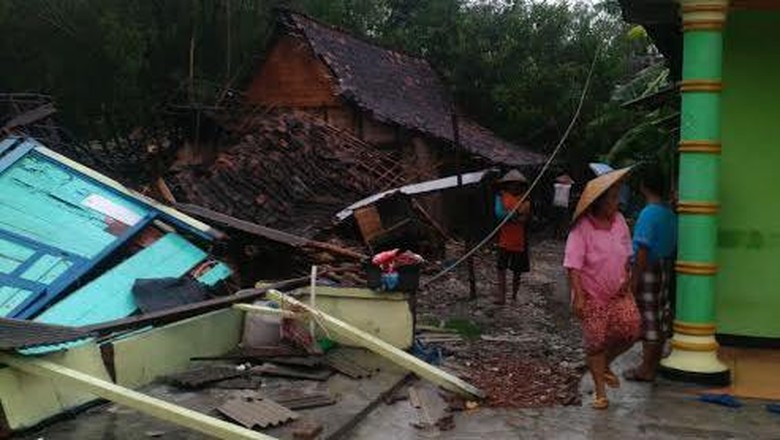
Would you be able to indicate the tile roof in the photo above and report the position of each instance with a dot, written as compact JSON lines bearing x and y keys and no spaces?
{"x":256,"y":411}
{"x":286,"y":171}
{"x":401,"y":89}
{"x":16,"y":334}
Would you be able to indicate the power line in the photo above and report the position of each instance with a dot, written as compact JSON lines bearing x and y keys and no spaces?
{"x":538,"y":178}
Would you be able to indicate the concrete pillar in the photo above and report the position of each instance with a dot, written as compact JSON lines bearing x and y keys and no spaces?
{"x":694,"y":349}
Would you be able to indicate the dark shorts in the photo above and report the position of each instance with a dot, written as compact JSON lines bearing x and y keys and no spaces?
{"x":517,"y":262}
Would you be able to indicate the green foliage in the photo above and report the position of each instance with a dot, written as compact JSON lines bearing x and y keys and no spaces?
{"x":466,"y":328}
{"x":517,"y":66}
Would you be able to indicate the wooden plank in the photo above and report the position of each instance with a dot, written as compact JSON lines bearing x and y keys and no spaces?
{"x":36,"y":114}
{"x":242,"y":225}
{"x":190,"y":310}
{"x":110,"y":296}
{"x":265,"y":232}
{"x":380,"y":347}
{"x":196,"y":226}
{"x":133,"y":399}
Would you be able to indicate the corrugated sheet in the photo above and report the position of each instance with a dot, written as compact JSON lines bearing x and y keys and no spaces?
{"x":300,"y":399}
{"x":256,"y":412}
{"x":346,"y":365}
{"x":200,"y":377}
{"x":16,"y":334}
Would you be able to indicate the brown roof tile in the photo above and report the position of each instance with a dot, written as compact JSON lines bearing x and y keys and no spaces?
{"x":400,"y":89}
{"x":16,"y":334}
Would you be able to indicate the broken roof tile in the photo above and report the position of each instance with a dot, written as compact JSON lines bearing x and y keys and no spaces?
{"x":401,"y":89}
{"x":15,"y":334}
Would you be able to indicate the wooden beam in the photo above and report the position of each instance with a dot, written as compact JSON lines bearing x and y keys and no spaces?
{"x":149,"y":405}
{"x":265,"y":232}
{"x":113,"y":184}
{"x":30,"y":117}
{"x":287,"y":314}
{"x":380,"y":347}
{"x":190,"y":310}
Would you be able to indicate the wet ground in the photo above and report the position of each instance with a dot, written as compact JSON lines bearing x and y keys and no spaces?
{"x":532,"y":336}
{"x":537,"y":328}
{"x":666,"y":410}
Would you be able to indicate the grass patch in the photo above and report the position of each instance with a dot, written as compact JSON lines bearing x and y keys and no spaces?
{"x":464,"y":327}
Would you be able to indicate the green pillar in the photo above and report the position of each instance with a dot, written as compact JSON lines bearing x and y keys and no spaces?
{"x":694,"y":349}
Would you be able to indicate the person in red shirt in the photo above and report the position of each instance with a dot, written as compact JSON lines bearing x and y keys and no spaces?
{"x":512,"y":248}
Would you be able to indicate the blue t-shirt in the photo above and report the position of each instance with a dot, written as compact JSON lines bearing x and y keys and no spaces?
{"x":656,"y":230}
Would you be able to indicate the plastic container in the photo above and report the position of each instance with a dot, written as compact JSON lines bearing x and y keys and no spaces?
{"x":261,"y":330}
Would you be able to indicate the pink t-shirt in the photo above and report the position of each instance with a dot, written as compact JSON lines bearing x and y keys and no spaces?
{"x":601,"y":256}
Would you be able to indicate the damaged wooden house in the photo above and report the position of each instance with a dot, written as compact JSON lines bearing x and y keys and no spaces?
{"x":104,"y":291}
{"x":392,"y":100}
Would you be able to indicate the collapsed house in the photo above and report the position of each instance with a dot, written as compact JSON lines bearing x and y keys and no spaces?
{"x":59,"y":226}
{"x":111,"y":291}
{"x":392,"y":100}
{"x":385,"y":97}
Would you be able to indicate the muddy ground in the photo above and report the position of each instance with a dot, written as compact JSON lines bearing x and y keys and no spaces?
{"x":526,"y":353}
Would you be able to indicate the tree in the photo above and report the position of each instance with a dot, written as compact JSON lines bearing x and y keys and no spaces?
{"x":516,"y":66}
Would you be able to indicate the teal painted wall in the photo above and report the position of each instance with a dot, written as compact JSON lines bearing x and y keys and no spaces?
{"x":44,"y":201}
{"x":748,"y":286}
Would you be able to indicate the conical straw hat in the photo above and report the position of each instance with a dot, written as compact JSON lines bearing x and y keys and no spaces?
{"x":513,"y":176}
{"x":596,"y":187}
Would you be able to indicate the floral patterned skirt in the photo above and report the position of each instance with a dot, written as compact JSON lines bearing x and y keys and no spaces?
{"x":612,"y":324}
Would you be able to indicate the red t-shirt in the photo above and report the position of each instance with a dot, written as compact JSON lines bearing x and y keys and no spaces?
{"x":511,"y":236}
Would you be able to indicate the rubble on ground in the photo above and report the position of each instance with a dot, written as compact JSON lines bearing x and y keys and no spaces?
{"x":526,"y":353}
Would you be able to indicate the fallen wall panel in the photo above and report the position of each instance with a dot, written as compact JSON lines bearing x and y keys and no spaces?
{"x":28,"y":400}
{"x":142,"y":358}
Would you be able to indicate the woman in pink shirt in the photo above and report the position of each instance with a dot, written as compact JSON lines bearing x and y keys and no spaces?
{"x":597,"y":258}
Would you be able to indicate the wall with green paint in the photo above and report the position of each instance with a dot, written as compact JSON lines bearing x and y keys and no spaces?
{"x":748,"y":286}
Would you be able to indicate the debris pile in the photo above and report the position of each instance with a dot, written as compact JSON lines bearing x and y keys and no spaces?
{"x":524,"y":354}
{"x":288,"y":172}
{"x":510,"y":381}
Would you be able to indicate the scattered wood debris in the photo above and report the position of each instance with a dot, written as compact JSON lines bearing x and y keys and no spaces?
{"x":295,"y":373}
{"x":348,"y":365}
{"x":299,"y":399}
{"x":432,"y":410}
{"x":287,"y":171}
{"x":307,"y":430}
{"x":378,"y":346}
{"x":199,"y":377}
{"x":249,"y":382}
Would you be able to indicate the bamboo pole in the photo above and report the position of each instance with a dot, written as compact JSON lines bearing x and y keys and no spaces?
{"x":378,"y":346}
{"x":124,"y":396}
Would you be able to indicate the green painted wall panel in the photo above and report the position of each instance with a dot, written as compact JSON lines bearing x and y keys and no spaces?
{"x":110,"y":296}
{"x":47,"y":269}
{"x":219,"y":272}
{"x":748,"y":286}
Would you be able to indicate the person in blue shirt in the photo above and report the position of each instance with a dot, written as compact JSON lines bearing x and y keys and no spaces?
{"x":655,"y":245}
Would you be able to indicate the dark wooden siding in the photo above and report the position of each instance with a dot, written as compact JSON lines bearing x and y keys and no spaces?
{"x":292,"y":76}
